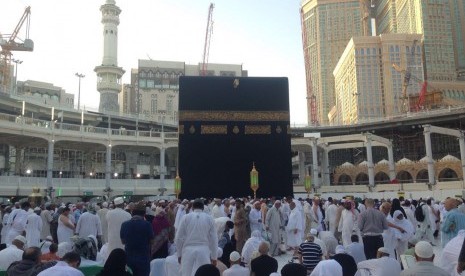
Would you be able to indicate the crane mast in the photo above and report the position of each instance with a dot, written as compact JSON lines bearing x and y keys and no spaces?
{"x":208,"y":34}
{"x":311,"y":98}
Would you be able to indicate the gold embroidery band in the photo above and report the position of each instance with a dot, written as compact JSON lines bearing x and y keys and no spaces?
{"x":214,"y":129}
{"x":234,"y":116}
{"x":257,"y":130}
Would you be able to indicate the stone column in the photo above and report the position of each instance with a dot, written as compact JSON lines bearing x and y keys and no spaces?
{"x":429,"y":154}
{"x":462,"y":152}
{"x":315,"y":170}
{"x":152,"y":164}
{"x":162,"y":170}
{"x":302,"y":169}
{"x":326,"y":174}
{"x":108,"y":167}
{"x":371,"y":167}
{"x":51,"y":147}
{"x":392,"y":168}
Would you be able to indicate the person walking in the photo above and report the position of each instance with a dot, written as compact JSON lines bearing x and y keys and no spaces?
{"x":273,"y":224}
{"x":196,"y":240}
{"x":115,"y":219}
{"x":372,"y":223}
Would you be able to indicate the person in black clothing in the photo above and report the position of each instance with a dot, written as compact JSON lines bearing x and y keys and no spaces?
{"x":263,"y":265}
{"x":349,"y":266}
{"x":115,"y":264}
{"x":226,"y":244}
{"x":30,"y":264}
{"x":293,"y":269}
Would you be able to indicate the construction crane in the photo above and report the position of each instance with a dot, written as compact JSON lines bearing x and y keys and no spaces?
{"x":311,"y":98}
{"x":423,"y":91}
{"x":407,"y":76}
{"x":9,"y":44}
{"x":208,"y":35}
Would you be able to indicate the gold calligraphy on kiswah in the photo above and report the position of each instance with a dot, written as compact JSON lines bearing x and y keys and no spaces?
{"x":234,"y":116}
{"x":257,"y":129}
{"x":214,"y":129}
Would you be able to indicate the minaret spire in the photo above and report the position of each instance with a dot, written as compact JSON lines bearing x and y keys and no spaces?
{"x":108,"y":73}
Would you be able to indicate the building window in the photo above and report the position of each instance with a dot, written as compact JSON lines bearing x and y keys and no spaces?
{"x":154,"y":104}
{"x":169,"y":105}
{"x":142,"y":83}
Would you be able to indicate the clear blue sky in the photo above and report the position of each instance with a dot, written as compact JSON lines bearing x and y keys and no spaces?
{"x":263,"y":35}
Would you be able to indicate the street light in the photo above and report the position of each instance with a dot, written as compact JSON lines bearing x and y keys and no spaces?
{"x":80,"y":76}
{"x":17,"y":61}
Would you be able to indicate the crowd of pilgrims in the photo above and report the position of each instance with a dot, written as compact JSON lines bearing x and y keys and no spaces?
{"x":234,"y":237}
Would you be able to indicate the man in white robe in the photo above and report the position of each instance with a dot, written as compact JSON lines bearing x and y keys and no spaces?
{"x":33,"y":228}
{"x":255,"y":217}
{"x":89,"y":224}
{"x":17,"y":221}
{"x":274,"y":222}
{"x":348,"y":223}
{"x":218,"y":209}
{"x":102,"y":214}
{"x":320,"y":242}
{"x":196,"y":240}
{"x":316,"y":215}
{"x":294,"y":228}
{"x":330,"y":216}
{"x":115,"y":219}
{"x":180,"y":212}
{"x":46,"y":216}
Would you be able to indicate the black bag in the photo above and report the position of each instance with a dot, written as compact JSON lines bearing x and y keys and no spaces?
{"x":419,"y":215}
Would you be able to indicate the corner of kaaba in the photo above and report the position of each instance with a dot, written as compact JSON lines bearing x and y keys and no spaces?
{"x":226,"y":126}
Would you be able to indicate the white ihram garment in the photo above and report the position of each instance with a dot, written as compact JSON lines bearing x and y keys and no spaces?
{"x":89,"y":224}
{"x":254,"y":216}
{"x":5,"y":228}
{"x":17,"y":221}
{"x":115,"y":218}
{"x":64,"y":233}
{"x":102,"y":214}
{"x":295,"y":222}
{"x":348,"y":225}
{"x":33,"y":229}
{"x":196,"y":241}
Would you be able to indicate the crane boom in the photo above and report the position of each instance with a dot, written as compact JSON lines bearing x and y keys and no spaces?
{"x":407,"y":76}
{"x":208,"y":34}
{"x":8,"y":45}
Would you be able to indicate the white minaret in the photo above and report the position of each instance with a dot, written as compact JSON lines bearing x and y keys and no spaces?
{"x":108,"y":73}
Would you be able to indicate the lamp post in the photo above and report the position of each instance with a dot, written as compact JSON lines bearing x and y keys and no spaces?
{"x":80,"y":76}
{"x":17,"y":61}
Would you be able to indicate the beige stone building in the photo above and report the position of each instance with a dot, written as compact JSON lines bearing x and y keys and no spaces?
{"x":45,"y":93}
{"x":367,"y":86}
{"x":329,"y":25}
{"x":155,"y":84}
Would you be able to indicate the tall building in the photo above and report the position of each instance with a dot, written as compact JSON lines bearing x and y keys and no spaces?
{"x":385,"y":14}
{"x":108,"y":73}
{"x":457,"y":8}
{"x":367,"y":85}
{"x":432,"y":19}
{"x":154,"y":88}
{"x":328,"y":25}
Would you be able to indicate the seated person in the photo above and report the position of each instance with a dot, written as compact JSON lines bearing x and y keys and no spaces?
{"x":51,"y":255}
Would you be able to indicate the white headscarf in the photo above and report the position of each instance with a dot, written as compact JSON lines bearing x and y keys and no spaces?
{"x":405,"y":224}
{"x":327,"y":267}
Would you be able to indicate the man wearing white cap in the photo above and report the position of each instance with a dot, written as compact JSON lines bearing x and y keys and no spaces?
{"x":102,"y":214}
{"x":236,"y":269}
{"x":320,"y":242}
{"x":115,"y":219}
{"x":17,"y":221}
{"x":12,"y":253}
{"x":384,"y":265}
{"x":33,"y":228}
{"x":255,"y":217}
{"x":424,"y":266}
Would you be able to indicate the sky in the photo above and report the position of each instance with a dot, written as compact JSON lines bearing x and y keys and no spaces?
{"x":262,"y":35}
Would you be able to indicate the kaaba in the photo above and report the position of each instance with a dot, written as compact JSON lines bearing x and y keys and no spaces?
{"x":227,"y":125}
